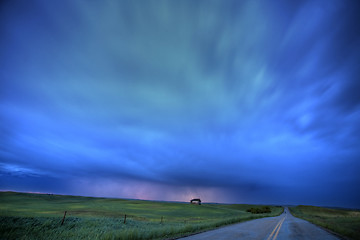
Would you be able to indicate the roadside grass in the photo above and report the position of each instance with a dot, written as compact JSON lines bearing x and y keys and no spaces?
{"x":38,"y":216}
{"x":343,"y":222}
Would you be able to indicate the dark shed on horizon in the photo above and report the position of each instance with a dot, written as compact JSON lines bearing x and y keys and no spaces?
{"x":195,"y":201}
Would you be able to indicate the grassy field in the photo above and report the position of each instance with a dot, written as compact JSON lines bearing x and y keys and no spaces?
{"x":39,"y":216}
{"x":344,"y":222}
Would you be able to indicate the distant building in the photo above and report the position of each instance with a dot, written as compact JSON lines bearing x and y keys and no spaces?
{"x":195,"y":201}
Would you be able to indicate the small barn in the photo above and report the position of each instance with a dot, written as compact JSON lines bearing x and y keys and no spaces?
{"x":195,"y":201}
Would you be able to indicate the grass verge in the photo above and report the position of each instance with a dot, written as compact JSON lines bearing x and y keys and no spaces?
{"x":343,"y":222}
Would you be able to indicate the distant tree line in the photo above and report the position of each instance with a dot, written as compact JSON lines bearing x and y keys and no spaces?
{"x":265,"y":209}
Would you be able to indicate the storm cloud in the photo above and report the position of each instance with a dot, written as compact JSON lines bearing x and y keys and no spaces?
{"x":230,"y":101}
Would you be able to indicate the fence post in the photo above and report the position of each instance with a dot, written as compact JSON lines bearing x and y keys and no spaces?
{"x":125,"y":219}
{"x":62,"y":222}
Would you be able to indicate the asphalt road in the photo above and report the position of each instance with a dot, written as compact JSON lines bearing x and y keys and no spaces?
{"x":285,"y":226}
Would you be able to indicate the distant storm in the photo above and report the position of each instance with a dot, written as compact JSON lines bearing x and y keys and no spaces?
{"x":227,"y":101}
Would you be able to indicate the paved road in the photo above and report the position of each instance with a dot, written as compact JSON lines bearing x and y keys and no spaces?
{"x":282,"y":227}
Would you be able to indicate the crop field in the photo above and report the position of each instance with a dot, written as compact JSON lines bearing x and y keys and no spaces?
{"x":344,"y":222}
{"x":39,"y":216}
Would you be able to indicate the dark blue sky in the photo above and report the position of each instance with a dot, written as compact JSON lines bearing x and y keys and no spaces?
{"x":229,"y":101}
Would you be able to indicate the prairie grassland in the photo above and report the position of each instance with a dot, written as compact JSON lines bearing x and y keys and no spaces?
{"x":344,"y":222}
{"x":38,"y":216}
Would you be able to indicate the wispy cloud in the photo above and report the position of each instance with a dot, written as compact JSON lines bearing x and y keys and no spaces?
{"x":241,"y":100}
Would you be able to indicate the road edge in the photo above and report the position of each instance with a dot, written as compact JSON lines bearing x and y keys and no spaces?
{"x":202,"y":231}
{"x":323,"y":228}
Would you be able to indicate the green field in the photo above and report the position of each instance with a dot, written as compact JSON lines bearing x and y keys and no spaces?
{"x":39,"y":216}
{"x":344,"y":222}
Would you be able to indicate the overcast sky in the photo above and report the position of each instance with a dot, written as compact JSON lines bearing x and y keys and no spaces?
{"x":228,"y":101}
